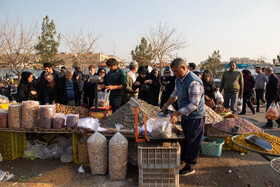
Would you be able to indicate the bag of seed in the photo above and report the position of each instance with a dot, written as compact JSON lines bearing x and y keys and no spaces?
{"x":118,"y":150}
{"x":97,"y":152}
{"x":46,"y":113}
{"x":72,"y":120}
{"x":82,"y":150}
{"x":59,"y":121}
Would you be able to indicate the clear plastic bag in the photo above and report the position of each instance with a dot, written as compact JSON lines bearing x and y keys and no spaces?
{"x":3,"y":118}
{"x":3,"y":99}
{"x":103,"y":98}
{"x":59,"y":121}
{"x":162,"y":127}
{"x":72,"y":120}
{"x":239,"y":105}
{"x":30,"y":114}
{"x":118,"y":155}
{"x":272,"y":112}
{"x":46,"y":113}
{"x":97,"y":152}
{"x":219,"y":97}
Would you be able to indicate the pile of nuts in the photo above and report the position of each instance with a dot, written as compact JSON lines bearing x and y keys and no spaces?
{"x":274,"y":140}
{"x":125,"y":115}
{"x":222,"y":110}
{"x":227,"y":125}
{"x":83,"y":112}
{"x":276,"y":164}
{"x":211,"y":116}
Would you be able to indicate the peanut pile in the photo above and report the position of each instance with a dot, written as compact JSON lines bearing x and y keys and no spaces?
{"x":83,"y":112}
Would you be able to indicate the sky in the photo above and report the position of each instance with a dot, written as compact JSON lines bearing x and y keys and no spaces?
{"x":237,"y":28}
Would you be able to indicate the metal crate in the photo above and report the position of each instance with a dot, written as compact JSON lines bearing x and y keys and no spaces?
{"x":159,"y":177}
{"x":155,"y":156}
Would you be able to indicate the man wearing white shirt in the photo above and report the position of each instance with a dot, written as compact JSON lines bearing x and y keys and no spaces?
{"x":130,"y":80}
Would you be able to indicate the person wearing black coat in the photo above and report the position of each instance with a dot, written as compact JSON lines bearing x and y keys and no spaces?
{"x":89,"y":89}
{"x":209,"y":86}
{"x":67,"y":90}
{"x":248,"y":92}
{"x":141,"y":84}
{"x":154,"y":87}
{"x":48,"y":90}
{"x":26,"y":90}
{"x":272,"y":91}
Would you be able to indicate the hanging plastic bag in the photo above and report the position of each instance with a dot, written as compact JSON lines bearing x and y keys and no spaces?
{"x":97,"y":152}
{"x":219,"y":97}
{"x":103,"y":98}
{"x":239,"y":105}
{"x":272,"y":112}
{"x":118,"y":154}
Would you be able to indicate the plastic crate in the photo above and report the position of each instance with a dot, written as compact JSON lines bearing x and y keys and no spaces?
{"x":159,"y":177}
{"x":229,"y":145}
{"x":12,"y":144}
{"x":75,"y":140}
{"x":212,"y":149}
{"x":154,"y":156}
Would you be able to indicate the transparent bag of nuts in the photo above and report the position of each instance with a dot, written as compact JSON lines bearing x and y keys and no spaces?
{"x":30,"y":114}
{"x":46,"y":113}
{"x":118,"y":151}
{"x":72,"y":120}
{"x":14,"y":116}
{"x":3,"y":118}
{"x":59,"y":121}
{"x":97,"y":152}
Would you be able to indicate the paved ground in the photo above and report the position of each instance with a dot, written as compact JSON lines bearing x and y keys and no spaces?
{"x":231,"y":169}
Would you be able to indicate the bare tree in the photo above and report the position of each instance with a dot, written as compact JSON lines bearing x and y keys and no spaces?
{"x":80,"y":44}
{"x":17,"y":43}
{"x":165,"y":41}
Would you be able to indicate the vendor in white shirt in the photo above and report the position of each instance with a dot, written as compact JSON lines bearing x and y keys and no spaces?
{"x":130,"y":80}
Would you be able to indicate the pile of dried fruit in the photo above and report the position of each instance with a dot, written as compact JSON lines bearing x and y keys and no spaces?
{"x":227,"y":124}
{"x":83,"y":112}
{"x":125,"y":115}
{"x":274,"y":140}
{"x":222,"y":110}
{"x":211,"y":116}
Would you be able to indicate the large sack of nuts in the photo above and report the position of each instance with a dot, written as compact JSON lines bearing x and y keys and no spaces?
{"x":3,"y":118}
{"x":30,"y":114}
{"x":46,"y":113}
{"x":59,"y":121}
{"x":97,"y":152}
{"x":14,"y":116}
{"x":118,"y":150}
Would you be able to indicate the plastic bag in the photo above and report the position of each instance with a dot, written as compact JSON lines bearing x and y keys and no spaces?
{"x":219,"y":97}
{"x":162,"y":127}
{"x":97,"y":152}
{"x":118,"y":155}
{"x":239,"y":105}
{"x":3,"y":99}
{"x":72,"y":120}
{"x":59,"y":121}
{"x":90,"y":123}
{"x":272,"y":112}
{"x":150,"y":122}
{"x":103,"y":98}
{"x":46,"y":113}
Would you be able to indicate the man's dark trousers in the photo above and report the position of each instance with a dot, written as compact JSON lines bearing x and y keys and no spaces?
{"x":193,"y":131}
{"x":259,"y":96}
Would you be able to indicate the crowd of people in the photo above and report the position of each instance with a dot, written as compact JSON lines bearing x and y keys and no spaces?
{"x":186,"y":90}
